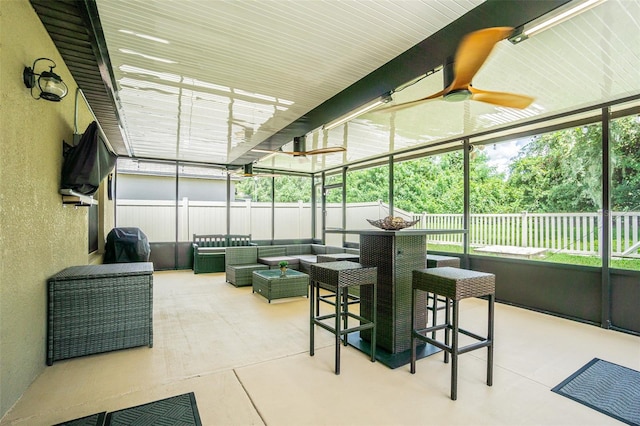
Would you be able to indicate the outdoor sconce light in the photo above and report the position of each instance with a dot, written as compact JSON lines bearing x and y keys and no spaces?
{"x":51,"y":86}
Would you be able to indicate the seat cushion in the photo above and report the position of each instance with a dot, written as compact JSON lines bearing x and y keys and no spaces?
{"x":309,"y":258}
{"x":246,"y":266}
{"x":305,"y":264}
{"x":275,"y":260}
{"x":207,"y":250}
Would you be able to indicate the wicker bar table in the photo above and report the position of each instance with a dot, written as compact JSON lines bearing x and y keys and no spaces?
{"x":396,"y":254}
{"x":99,"y":308}
{"x":339,"y":276}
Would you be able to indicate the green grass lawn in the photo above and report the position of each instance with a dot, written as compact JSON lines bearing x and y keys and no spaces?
{"x":633,"y":264}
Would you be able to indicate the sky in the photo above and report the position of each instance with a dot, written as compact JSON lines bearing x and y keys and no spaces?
{"x":502,"y":154}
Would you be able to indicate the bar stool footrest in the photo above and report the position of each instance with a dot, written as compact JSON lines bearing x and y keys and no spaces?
{"x":483,"y":342}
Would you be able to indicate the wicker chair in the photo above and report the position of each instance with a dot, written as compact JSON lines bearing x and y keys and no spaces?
{"x":240,"y":262}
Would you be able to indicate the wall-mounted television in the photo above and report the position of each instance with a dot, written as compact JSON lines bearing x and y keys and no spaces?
{"x":86,"y":164}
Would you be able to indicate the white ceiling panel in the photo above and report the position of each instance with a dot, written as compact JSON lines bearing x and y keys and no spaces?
{"x":207,"y":81}
{"x":589,"y":60}
{"x":215,"y":78}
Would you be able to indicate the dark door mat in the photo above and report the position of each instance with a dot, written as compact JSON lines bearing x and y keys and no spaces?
{"x":180,"y":410}
{"x":92,"y":420}
{"x":610,"y":388}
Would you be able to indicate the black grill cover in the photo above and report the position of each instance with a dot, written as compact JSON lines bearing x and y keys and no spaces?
{"x":86,"y":164}
{"x":126,"y":245}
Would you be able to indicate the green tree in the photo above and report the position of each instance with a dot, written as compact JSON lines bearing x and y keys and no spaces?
{"x":560,"y":171}
{"x":489,"y":189}
{"x":368,"y":185}
{"x":625,"y":164}
{"x":287,"y":188}
{"x":555,"y":172}
{"x":414,"y":185}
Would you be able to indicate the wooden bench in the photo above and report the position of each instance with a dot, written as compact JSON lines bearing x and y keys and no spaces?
{"x":209,"y":250}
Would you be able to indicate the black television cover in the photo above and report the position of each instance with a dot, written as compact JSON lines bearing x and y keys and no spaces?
{"x":86,"y":164}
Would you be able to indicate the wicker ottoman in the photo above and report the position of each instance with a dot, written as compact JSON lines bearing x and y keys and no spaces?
{"x":454,"y":284}
{"x":99,"y":308}
{"x":272,"y":285}
{"x":437,"y":261}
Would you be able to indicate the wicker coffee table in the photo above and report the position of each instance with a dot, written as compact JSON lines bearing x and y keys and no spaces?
{"x":270,"y":284}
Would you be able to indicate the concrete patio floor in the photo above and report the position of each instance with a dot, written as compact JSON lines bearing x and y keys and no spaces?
{"x":248,"y":363}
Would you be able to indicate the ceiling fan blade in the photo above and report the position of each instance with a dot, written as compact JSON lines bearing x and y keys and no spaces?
{"x":472,"y":52}
{"x":410,"y":104}
{"x":510,"y":100}
{"x":329,"y":150}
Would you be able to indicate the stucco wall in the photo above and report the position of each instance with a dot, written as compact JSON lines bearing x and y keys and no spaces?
{"x":38,"y":235}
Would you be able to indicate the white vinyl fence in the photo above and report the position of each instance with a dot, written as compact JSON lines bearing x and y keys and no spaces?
{"x":576,"y":233}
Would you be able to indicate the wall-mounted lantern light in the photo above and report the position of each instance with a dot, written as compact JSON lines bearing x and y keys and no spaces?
{"x":50,"y":85}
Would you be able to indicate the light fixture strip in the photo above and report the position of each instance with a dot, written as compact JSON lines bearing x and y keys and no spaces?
{"x":268,"y":156}
{"x":564,"y":16}
{"x":351,"y":115}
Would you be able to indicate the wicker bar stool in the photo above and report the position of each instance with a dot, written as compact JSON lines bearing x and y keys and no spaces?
{"x":435,"y":304}
{"x":338,"y":277}
{"x":454,"y":284}
{"x":353,"y":293}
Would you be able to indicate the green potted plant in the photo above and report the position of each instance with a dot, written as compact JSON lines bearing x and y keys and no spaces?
{"x":283,"y":268}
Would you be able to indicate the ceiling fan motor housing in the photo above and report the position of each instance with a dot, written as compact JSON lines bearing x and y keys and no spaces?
{"x":457,"y":95}
{"x":447,"y":77}
{"x":299,"y":145}
{"x":447,"y":72}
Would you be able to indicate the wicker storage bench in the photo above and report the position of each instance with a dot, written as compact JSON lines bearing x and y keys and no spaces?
{"x":208,"y":253}
{"x":209,"y":250}
{"x":99,"y":308}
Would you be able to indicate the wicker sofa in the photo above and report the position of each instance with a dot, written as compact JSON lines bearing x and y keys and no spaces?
{"x":240,"y":262}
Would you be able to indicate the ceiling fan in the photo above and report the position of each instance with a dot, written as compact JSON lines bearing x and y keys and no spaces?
{"x":472,"y":52}
{"x":299,"y":149}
